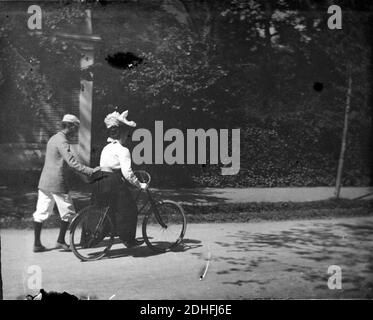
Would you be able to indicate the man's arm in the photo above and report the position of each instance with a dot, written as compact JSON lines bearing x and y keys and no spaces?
{"x":67,"y":155}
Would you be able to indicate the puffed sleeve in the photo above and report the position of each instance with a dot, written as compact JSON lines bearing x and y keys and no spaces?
{"x":67,"y":155}
{"x":124,"y":157}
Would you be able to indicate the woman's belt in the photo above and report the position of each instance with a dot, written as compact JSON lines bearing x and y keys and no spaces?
{"x":108,"y":169}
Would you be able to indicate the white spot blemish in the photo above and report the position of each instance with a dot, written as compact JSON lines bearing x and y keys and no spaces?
{"x":207,"y":264}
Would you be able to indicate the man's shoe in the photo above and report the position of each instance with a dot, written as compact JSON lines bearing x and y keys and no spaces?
{"x":40,"y":248}
{"x":62,"y":246}
{"x":133,"y":243}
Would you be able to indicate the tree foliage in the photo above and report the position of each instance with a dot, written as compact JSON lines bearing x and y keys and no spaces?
{"x":271,"y":68}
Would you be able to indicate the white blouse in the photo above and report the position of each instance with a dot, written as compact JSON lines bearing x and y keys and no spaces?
{"x":116,"y":156}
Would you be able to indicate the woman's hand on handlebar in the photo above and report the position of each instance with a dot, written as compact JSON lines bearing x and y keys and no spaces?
{"x":143,"y":186}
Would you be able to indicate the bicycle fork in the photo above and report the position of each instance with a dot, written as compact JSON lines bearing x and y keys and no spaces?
{"x":153,"y":205}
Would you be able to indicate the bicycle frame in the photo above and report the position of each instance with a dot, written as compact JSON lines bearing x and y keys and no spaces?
{"x":153,"y":207}
{"x":100,"y":222}
{"x":92,"y":238}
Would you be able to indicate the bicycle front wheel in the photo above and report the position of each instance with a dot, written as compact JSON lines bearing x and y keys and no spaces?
{"x":91,"y":233}
{"x":164,"y":228}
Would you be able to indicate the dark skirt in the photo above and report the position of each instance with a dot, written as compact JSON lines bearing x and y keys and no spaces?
{"x":110,"y":189}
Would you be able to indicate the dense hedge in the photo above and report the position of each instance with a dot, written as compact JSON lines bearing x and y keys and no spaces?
{"x":291,"y":150}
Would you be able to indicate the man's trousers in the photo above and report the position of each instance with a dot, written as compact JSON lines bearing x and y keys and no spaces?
{"x":45,"y":204}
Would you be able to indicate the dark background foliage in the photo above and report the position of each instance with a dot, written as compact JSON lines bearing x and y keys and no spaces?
{"x":271,"y":68}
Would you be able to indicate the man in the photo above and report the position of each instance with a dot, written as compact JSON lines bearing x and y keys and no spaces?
{"x":52,"y":184}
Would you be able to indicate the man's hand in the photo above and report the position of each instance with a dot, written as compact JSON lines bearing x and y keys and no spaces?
{"x":143,"y":186}
{"x":96,"y":169}
{"x":95,"y":175}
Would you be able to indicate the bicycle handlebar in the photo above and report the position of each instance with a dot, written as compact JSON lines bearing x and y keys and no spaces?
{"x":143,"y":176}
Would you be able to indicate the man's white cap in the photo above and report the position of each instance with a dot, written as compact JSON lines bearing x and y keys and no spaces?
{"x":70,"y":118}
{"x":115,"y":119}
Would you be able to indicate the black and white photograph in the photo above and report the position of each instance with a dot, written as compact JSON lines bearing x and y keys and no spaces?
{"x":186,"y":150}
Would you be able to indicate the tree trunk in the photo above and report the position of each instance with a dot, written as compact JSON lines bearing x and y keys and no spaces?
{"x":1,"y":279}
{"x":344,"y":136}
{"x":370,"y":96}
{"x":267,"y":83}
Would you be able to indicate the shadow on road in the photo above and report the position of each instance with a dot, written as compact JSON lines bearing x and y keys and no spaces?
{"x":144,"y":251}
{"x":310,"y":250}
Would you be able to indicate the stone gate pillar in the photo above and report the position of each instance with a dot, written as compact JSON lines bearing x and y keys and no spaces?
{"x":85,"y":98}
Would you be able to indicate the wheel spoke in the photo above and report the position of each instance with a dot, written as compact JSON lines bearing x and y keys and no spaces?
{"x":88,"y":240}
{"x":161,"y":239}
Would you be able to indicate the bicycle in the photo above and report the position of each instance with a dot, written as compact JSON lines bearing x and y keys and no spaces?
{"x":92,"y":231}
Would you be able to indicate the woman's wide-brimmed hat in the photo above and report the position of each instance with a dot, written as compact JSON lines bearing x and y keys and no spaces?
{"x":116,"y":119}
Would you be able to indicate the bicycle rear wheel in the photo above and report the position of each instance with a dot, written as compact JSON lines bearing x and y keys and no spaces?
{"x":91,"y":233}
{"x":164,"y":228}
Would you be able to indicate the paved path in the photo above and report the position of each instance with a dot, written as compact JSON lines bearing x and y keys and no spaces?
{"x":287,"y":259}
{"x":244,"y":195}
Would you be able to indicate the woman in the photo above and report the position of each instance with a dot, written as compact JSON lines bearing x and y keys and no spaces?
{"x":115,"y":163}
